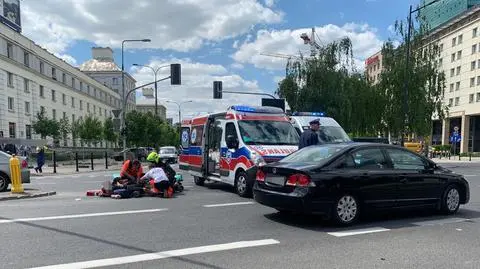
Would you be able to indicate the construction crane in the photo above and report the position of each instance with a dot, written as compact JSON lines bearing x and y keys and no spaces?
{"x":312,"y":41}
{"x":279,"y":55}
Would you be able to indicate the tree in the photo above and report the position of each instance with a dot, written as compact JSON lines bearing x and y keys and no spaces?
{"x":64,"y":129}
{"x":146,"y":129}
{"x":45,"y":126}
{"x":75,"y":130}
{"x":426,"y":82}
{"x":91,"y":130}
{"x":108,"y":131}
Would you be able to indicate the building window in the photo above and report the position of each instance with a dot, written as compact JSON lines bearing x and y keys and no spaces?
{"x":11,"y":103}
{"x":452,"y":72}
{"x":441,"y":48}
{"x":459,"y":68}
{"x":26,"y":59}
{"x":474,"y":49}
{"x":9,"y":79}
{"x":440,"y":62}
{"x":25,"y":85}
{"x":54,"y":73}
{"x":451,"y":87}
{"x":457,"y":101}
{"x":73,"y":118}
{"x":42,"y":109}
{"x":64,"y":99}
{"x":473,"y":65}
{"x":42,"y":67}
{"x":478,"y":96}
{"x":54,"y":114}
{"x":73,"y":83}
{"x":54,"y":98}
{"x":474,"y":32}
{"x":460,"y":39}
{"x":94,"y":109}
{"x":9,"y":50}
{"x":100,"y":111}
{"x":12,"y":128}
{"x":470,"y":98}
{"x":450,"y":102}
{"x":81,"y":105}
{"x":27,"y":108}
{"x":41,"y":91}
{"x":459,"y":55}
{"x":73,"y":102}
{"x":115,"y":81}
{"x":64,"y":78}
{"x":95,"y":92}
{"x":457,"y":86}
{"x":453,"y":57}
{"x":28,"y":131}
{"x":472,"y":82}
{"x":81,"y":86}
{"x":88,"y":107}
{"x":64,"y":115}
{"x":454,"y":41}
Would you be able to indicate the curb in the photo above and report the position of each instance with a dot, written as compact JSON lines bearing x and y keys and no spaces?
{"x":27,"y":196}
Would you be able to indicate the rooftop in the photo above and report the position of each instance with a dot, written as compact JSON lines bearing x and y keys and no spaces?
{"x":95,"y":65}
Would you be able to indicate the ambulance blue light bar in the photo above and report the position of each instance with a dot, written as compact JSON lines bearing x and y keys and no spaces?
{"x":257,"y":109}
{"x":318,"y":114}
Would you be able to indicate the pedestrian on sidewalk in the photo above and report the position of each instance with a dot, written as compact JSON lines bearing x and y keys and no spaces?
{"x":40,"y":159}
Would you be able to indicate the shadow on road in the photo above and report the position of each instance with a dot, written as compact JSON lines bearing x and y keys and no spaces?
{"x":113,"y":243}
{"x":391,"y":220}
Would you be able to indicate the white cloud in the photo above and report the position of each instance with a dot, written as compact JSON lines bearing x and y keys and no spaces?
{"x":197,"y":85}
{"x":277,"y":79}
{"x":269,"y":3}
{"x":391,"y":29}
{"x":288,"y":42}
{"x":67,"y":58}
{"x":237,"y":66}
{"x":181,"y":25}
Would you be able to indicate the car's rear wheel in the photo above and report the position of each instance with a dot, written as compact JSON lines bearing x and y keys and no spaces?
{"x":345,"y":210}
{"x":199,"y":181}
{"x":242,"y":186}
{"x":4,"y":182}
{"x":451,"y":200}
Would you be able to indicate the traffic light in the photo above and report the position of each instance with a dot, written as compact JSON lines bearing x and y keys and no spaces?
{"x":217,"y":90}
{"x":175,"y":74}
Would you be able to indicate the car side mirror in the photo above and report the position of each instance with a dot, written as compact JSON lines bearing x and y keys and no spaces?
{"x":232,"y":142}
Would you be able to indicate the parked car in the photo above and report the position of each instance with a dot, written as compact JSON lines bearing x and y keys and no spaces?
{"x":168,"y":154}
{"x":135,"y":153}
{"x":5,"y":175}
{"x":343,"y":180}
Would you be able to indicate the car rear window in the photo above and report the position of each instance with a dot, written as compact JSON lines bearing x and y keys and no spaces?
{"x":313,"y":154}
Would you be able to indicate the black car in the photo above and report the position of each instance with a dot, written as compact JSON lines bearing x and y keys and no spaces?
{"x":343,"y":180}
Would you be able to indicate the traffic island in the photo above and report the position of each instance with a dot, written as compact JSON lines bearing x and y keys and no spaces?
{"x":29,"y":193}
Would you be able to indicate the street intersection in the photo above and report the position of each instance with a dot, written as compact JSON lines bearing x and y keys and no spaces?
{"x":211,"y":227}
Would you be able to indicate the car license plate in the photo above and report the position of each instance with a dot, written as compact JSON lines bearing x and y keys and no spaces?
{"x":276,"y":180}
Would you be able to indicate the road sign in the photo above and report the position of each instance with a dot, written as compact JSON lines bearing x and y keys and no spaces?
{"x":455,"y":137}
{"x":116,"y":125}
{"x":456,"y":128}
{"x":116,"y":112}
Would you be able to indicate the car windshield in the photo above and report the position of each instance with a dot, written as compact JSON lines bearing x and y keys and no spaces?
{"x":257,"y":132}
{"x":167,"y":151}
{"x":313,"y":154}
{"x":332,"y":134}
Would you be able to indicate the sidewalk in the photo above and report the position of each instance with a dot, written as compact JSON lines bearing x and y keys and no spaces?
{"x":71,"y":169}
{"x":455,"y":159}
{"x":29,"y":193}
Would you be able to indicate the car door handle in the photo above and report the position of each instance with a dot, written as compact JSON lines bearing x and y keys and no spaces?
{"x":403,"y":180}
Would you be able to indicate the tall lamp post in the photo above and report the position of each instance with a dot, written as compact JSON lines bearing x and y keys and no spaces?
{"x":407,"y":67}
{"x":155,"y":71}
{"x":123,"y":87}
{"x":179,"y":110}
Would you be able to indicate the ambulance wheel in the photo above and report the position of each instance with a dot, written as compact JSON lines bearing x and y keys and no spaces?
{"x":199,"y":181}
{"x":242,"y":186}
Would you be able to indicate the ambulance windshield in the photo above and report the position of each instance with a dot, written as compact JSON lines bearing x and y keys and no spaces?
{"x":258,"y":132}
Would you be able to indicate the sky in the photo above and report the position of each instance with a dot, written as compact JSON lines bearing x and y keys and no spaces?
{"x":212,"y":39}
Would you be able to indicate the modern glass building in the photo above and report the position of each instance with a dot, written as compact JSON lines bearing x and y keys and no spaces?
{"x":444,"y":10}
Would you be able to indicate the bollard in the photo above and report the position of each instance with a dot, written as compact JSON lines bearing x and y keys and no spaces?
{"x":470,"y":156}
{"x":15,"y":174}
{"x":106,"y":160}
{"x":91,"y":159}
{"x":459,"y":156}
{"x":449,"y":155}
{"x":54,"y":162}
{"x":76,"y":161}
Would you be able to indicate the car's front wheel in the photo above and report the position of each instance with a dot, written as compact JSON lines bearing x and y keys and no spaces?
{"x":451,"y":200}
{"x":346,"y":209}
{"x":242,"y":186}
{"x":4,"y":183}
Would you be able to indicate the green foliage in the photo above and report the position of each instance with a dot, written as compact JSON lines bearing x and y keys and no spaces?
{"x":90,"y":129}
{"x":45,"y":126}
{"x":108,"y":132}
{"x":145,"y":129}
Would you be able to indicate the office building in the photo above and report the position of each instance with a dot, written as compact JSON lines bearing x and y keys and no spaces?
{"x":148,"y":105}
{"x":373,"y":67}
{"x":443,"y":11}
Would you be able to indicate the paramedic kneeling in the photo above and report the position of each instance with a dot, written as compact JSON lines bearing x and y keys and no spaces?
{"x":160,"y":178}
{"x":132,"y":171}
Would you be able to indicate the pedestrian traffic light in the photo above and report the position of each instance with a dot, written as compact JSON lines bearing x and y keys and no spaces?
{"x":217,"y":90}
{"x":175,"y":74}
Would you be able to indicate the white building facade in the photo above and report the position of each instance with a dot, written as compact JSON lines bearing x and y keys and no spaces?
{"x":148,"y":105}
{"x":459,"y":43}
{"x":31,"y":78}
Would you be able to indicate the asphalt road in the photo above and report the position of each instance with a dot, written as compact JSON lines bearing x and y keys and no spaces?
{"x":210,"y":227}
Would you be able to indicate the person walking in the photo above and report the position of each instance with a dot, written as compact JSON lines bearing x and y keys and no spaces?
{"x":40,"y":159}
{"x":310,"y":137}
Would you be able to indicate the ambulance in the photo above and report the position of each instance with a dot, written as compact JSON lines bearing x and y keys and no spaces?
{"x":330,"y":131}
{"x":228,"y":147}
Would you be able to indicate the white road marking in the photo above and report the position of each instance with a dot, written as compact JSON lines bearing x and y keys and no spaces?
{"x":43,"y":183}
{"x":230,"y":204}
{"x":440,"y":221}
{"x":359,"y":231}
{"x":161,"y":255}
{"x":103,"y":214}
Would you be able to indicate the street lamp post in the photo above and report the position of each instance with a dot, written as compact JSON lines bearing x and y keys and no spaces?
{"x":123,"y":88}
{"x":179,"y":111}
{"x":155,"y":71}
{"x":407,"y":69}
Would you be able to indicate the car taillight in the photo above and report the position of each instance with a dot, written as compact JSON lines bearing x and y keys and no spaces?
{"x":299,"y":180}
{"x":24,"y":164}
{"x":260,"y":175}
